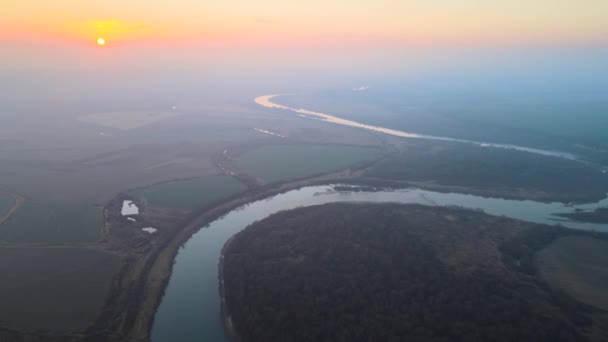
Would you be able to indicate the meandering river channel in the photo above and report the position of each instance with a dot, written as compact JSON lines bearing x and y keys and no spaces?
{"x":190,"y":309}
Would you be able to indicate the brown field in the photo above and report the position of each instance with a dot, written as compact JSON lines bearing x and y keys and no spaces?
{"x":54,"y":289}
{"x":579,"y":266}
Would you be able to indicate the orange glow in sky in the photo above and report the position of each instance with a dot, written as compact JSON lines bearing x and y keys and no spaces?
{"x":286,"y":22}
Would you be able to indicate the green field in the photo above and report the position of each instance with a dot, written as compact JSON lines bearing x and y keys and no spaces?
{"x":45,"y":222}
{"x":190,"y":194}
{"x":279,"y":162}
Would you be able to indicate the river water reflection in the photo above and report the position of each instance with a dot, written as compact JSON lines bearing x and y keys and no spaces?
{"x":190,"y":309}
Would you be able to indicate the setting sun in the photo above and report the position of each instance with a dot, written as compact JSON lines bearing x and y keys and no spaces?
{"x":101,"y":41}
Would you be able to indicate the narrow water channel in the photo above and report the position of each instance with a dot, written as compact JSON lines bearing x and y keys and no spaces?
{"x":190,"y":309}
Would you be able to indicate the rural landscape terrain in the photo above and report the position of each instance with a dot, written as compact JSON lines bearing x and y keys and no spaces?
{"x":388,"y":272}
{"x":72,"y":223}
{"x":280,"y":171}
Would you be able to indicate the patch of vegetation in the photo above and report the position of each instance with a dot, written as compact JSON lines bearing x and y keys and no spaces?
{"x":54,"y":289}
{"x":503,"y":172}
{"x":190,"y":194}
{"x":519,"y":252}
{"x":366,"y":272}
{"x":577,"y":265}
{"x":599,"y":215}
{"x":280,"y":162}
{"x":47,"y":222}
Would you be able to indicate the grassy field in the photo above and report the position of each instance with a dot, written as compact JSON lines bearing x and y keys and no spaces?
{"x":280,"y":162}
{"x":59,"y":289}
{"x":45,"y":222}
{"x":579,"y":266}
{"x":191,"y":194}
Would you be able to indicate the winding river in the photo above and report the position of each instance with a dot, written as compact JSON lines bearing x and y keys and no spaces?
{"x":266,"y":101}
{"x":190,"y":309}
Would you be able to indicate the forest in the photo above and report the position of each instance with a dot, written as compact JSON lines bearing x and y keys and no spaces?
{"x":391,"y":272}
{"x":499,"y":172}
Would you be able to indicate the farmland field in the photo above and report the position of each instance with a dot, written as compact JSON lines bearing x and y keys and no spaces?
{"x":190,"y":194}
{"x":279,"y":162}
{"x":578,"y":266}
{"x":47,"y":222}
{"x":75,"y":281}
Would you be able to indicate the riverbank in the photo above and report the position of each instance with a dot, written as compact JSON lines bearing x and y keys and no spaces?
{"x":227,"y":322}
{"x":316,"y":251}
{"x":142,"y":284}
{"x":158,"y":268}
{"x":193,"y":296}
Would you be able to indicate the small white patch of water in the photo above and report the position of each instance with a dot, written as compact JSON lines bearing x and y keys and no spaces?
{"x":131,"y":219}
{"x":227,"y":171}
{"x":129,"y":208}
{"x":269,"y":132}
{"x":149,"y":230}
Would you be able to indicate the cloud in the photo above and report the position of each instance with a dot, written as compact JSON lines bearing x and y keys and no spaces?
{"x":361,"y":88}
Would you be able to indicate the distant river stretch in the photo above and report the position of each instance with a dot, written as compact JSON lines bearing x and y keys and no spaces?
{"x":265,"y":101}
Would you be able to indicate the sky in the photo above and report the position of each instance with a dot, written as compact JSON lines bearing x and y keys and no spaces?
{"x":48,"y":47}
{"x":160,"y":53}
{"x":312,"y":22}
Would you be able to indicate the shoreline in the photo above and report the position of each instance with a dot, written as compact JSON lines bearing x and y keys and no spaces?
{"x":139,"y":288}
{"x":229,"y":329}
{"x":159,"y":265}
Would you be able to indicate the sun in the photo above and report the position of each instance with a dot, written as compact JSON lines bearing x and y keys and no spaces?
{"x":101,"y":41}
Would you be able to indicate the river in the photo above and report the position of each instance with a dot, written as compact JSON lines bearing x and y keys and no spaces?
{"x":266,"y":101}
{"x":190,"y":309}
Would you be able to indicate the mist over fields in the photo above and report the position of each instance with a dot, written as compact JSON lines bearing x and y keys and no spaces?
{"x":559,"y":92}
{"x":175,"y":131}
{"x":335,"y":170}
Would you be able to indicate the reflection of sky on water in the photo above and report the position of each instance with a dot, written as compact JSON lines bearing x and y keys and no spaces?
{"x":265,"y":101}
{"x":190,"y":308}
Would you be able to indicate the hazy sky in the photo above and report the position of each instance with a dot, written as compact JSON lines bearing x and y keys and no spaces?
{"x":160,"y":53}
{"x":280,"y":22}
{"x":48,"y":47}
